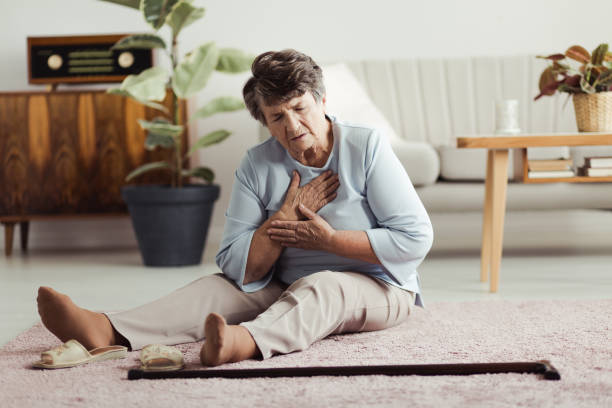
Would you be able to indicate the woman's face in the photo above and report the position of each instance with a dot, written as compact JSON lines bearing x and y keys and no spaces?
{"x":299,"y":124}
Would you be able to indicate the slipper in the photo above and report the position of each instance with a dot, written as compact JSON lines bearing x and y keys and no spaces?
{"x":157,"y":357}
{"x":72,"y":353}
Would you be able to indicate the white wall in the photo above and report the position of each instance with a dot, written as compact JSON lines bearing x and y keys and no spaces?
{"x":327,"y":30}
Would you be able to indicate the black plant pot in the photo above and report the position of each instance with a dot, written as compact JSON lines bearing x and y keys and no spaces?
{"x":171,"y":224}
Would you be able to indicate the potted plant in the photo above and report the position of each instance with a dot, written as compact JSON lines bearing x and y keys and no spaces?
{"x":589,"y":84}
{"x":171,"y":221}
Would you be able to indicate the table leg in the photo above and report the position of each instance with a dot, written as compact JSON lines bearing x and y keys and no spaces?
{"x":498,"y":208}
{"x":9,"y":228}
{"x":485,"y":251}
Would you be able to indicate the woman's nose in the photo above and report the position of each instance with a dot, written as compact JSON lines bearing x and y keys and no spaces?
{"x":292,"y":123}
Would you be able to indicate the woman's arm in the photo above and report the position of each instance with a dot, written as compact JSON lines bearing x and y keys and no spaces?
{"x":316,"y":234}
{"x":263,"y":252}
{"x":353,"y":244}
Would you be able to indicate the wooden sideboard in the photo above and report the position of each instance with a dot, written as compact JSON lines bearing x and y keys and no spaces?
{"x":66,"y":154}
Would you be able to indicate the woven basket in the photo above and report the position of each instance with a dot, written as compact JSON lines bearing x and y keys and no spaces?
{"x":593,"y":112}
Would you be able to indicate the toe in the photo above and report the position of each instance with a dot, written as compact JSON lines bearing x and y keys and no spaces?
{"x":44,"y":293}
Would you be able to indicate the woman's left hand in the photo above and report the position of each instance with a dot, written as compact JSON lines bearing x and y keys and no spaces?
{"x":314,"y":233}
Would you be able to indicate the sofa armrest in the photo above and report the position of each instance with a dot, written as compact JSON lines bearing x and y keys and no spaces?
{"x":420,"y":160}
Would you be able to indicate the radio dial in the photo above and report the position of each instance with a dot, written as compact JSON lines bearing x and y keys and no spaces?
{"x":126,"y":59}
{"x":55,"y":62}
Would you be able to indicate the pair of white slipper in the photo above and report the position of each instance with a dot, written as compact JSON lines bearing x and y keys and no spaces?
{"x":154,"y":357}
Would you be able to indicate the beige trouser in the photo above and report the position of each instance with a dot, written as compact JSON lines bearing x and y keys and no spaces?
{"x":281,"y":319}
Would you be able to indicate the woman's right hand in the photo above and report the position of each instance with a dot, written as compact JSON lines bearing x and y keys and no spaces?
{"x":314,"y":195}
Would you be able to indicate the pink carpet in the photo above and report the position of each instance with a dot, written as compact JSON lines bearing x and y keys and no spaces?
{"x":575,"y":335}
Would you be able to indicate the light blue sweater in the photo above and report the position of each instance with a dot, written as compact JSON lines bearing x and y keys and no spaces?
{"x":375,"y":195}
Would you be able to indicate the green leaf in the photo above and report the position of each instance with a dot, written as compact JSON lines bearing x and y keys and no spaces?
{"x":135,"y":4}
{"x":220,"y":104}
{"x":149,"y":85}
{"x":573,"y":80}
{"x":200,"y":172}
{"x":552,"y":57}
{"x":126,"y":94}
{"x":209,"y":139}
{"x":193,"y":73}
{"x":547,"y":78}
{"x":569,"y":89}
{"x":586,"y":87}
{"x":599,"y":54}
{"x":161,"y":128}
{"x":605,"y":78}
{"x":159,"y":139}
{"x":154,"y":140}
{"x":578,"y":53}
{"x":147,"y":167}
{"x":232,"y":60}
{"x":155,"y":11}
{"x":182,"y":15}
{"x":560,"y":68}
{"x":144,"y":41}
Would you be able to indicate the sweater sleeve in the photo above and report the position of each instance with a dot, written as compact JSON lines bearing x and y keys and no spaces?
{"x":404,"y":234}
{"x":244,"y":215}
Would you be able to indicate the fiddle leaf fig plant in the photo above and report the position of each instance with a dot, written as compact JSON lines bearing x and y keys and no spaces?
{"x":594,"y":73}
{"x":183,"y":79}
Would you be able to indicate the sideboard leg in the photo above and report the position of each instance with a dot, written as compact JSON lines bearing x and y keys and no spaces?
{"x":24,"y":228}
{"x":9,"y":228}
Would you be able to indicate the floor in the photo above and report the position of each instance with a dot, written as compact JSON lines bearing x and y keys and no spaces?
{"x":114,"y":279}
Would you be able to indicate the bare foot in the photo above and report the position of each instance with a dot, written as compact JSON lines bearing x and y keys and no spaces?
{"x":68,"y":321}
{"x":225,"y":343}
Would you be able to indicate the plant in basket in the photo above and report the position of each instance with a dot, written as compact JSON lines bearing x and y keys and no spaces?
{"x":171,"y":222}
{"x":587,"y":77}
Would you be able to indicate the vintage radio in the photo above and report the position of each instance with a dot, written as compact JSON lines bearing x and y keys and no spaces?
{"x":83,"y":59}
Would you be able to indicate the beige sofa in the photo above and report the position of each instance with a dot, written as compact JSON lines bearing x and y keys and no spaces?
{"x":426,"y":104}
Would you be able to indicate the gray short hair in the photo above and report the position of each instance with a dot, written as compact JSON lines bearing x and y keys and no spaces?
{"x":279,"y":76}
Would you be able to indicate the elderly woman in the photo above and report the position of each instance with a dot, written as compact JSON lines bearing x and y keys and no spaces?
{"x":324,"y":234}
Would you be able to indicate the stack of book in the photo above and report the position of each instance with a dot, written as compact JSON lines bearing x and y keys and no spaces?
{"x":550,"y":168}
{"x":597,"y":166}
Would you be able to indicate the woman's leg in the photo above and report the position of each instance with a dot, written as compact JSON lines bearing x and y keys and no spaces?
{"x":316,"y":306}
{"x":173,"y":319}
{"x":68,"y":321}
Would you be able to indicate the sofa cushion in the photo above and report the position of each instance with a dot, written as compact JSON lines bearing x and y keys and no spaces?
{"x":419,"y":159}
{"x":471,"y":164}
{"x":348,"y":100}
{"x":548,"y":153}
{"x":465,"y":164}
{"x":452,"y":196}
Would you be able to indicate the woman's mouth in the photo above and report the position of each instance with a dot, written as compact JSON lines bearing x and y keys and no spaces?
{"x":298,"y":137}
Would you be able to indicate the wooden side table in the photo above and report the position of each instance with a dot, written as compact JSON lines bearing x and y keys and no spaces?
{"x":496,"y":183}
